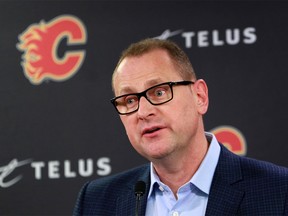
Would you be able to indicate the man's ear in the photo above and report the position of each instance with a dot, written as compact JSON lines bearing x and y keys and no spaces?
{"x":202,"y":99}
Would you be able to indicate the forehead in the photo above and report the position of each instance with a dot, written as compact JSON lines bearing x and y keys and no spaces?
{"x":135,"y":74}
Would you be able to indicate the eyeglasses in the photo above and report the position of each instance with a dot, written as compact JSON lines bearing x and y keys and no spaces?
{"x":156,"y":95}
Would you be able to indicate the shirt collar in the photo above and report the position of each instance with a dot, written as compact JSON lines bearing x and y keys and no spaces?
{"x":204,"y":175}
{"x":202,"y":179}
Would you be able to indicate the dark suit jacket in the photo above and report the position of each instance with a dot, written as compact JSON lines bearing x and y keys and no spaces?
{"x":240,"y":186}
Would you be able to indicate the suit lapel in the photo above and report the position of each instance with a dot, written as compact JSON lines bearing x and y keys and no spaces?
{"x":224,"y":198}
{"x":126,"y":203}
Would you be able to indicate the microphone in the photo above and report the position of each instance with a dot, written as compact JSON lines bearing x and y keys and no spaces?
{"x":139,"y":190}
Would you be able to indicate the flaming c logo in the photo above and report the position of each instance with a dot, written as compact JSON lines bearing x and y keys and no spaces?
{"x":232,"y":138}
{"x":40,"y":43}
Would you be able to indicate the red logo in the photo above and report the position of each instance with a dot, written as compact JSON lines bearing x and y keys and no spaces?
{"x":40,"y":43}
{"x":232,"y":138}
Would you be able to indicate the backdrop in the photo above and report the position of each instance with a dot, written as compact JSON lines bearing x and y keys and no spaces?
{"x":57,"y":126}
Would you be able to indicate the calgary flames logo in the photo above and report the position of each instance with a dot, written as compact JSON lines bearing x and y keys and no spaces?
{"x":40,"y":44}
{"x":232,"y":138}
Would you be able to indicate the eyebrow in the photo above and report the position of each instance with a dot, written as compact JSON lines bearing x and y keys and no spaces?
{"x":153,"y":82}
{"x":147,"y":84}
{"x":125,"y":90}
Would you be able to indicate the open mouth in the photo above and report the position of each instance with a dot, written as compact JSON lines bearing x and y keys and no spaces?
{"x":151,"y":130}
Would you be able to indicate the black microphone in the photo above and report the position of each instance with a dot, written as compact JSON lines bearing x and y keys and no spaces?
{"x":139,"y":189}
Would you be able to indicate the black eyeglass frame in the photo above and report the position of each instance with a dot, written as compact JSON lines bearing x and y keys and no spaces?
{"x":140,"y":94}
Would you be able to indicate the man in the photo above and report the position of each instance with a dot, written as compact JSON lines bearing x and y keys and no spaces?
{"x":161,"y":104}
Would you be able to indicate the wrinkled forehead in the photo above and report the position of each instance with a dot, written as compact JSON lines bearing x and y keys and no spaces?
{"x":129,"y":89}
{"x":135,"y":84}
{"x":146,"y":70}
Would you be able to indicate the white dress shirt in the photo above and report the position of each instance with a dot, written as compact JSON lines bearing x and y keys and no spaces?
{"x":192,"y":196}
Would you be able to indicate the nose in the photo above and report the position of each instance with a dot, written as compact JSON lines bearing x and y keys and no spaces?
{"x":145,"y":109}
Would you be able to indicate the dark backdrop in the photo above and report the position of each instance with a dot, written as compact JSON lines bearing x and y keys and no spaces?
{"x":59,"y":132}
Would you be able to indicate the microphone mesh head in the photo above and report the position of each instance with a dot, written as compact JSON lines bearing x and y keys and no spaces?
{"x":139,"y":188}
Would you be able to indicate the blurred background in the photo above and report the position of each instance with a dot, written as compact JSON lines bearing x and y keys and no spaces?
{"x":58,"y":128}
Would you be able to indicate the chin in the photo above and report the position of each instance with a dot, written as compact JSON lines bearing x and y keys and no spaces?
{"x":155,"y":150}
{"x":157,"y":155}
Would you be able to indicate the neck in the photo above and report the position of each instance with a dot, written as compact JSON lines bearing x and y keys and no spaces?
{"x":178,"y":169}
